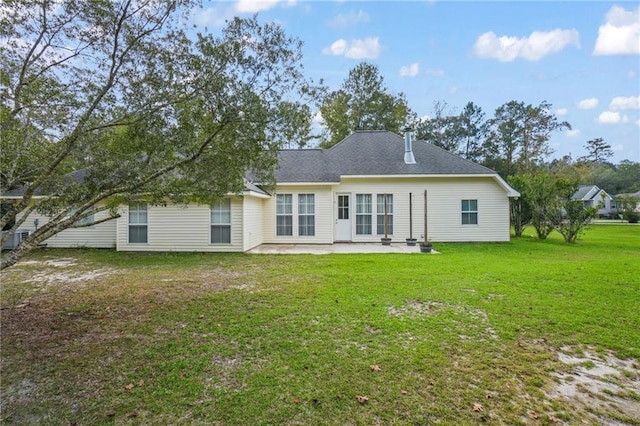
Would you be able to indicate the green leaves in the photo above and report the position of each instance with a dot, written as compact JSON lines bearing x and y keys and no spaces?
{"x":136,"y":106}
{"x":362,"y":103}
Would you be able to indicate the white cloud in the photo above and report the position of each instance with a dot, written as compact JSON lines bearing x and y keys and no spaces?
{"x":620,"y":103}
{"x":573,"y":133}
{"x":588,"y":103}
{"x":351,"y":18}
{"x":611,"y":117}
{"x":538,"y":45}
{"x":631,"y":74}
{"x":253,"y":6}
{"x":409,"y":71}
{"x":620,"y":35}
{"x":368,"y":48}
{"x":561,"y":111}
{"x":317,"y":121}
{"x":638,"y":122}
{"x":434,"y":72}
{"x":212,"y":16}
{"x":453,"y":89}
{"x":617,"y":147}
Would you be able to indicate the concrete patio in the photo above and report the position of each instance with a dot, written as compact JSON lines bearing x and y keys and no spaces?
{"x":334,"y":248}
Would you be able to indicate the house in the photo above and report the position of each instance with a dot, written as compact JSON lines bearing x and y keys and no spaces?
{"x":616,"y":205}
{"x":592,"y":196}
{"x":370,"y":184}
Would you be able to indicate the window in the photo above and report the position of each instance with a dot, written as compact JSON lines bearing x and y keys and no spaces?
{"x":343,"y":207}
{"x":221,"y":222}
{"x":284,"y":214}
{"x":306,"y":215}
{"x":84,"y":221}
{"x":469,"y":212}
{"x":380,"y":214}
{"x":363,"y":214}
{"x":138,"y":223}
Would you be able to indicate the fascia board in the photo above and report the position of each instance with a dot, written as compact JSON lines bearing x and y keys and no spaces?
{"x":307,"y":183}
{"x":255,"y":194}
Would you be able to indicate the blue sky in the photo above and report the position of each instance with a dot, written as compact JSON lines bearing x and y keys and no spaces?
{"x":582,"y":57}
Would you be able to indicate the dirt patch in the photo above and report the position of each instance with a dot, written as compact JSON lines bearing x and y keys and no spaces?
{"x":58,"y":271}
{"x":417,"y":307}
{"x":604,"y":386}
{"x":471,"y":323}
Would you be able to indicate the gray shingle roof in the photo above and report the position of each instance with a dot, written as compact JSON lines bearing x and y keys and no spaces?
{"x":370,"y":153}
{"x":582,"y":191}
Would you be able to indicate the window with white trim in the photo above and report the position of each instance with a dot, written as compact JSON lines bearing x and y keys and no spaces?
{"x":363,"y":214}
{"x":380,"y":214}
{"x":221,"y":222}
{"x":306,"y":215}
{"x":284,"y":214}
{"x":138,"y":223}
{"x":469,"y":212}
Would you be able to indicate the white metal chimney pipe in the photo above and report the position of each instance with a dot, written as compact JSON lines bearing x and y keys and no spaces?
{"x":408,"y":149}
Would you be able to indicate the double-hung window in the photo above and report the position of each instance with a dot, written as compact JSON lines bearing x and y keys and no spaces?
{"x":306,"y":215}
{"x":221,"y":222}
{"x":138,"y":223}
{"x":363,"y":214}
{"x":284,"y":214}
{"x":381,"y":213}
{"x":469,"y":212}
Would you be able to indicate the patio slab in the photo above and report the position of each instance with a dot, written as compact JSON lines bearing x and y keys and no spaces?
{"x":334,"y":248}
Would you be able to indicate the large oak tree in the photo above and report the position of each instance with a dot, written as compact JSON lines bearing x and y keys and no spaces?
{"x":105,"y":102}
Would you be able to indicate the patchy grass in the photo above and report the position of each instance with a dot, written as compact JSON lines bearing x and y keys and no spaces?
{"x":473,"y":334}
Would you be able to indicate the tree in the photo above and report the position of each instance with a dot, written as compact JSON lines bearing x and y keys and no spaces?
{"x":362,"y":103}
{"x":518,"y":137}
{"x":520,"y":208}
{"x":471,"y":129}
{"x":441,"y":128}
{"x":542,"y":196}
{"x":107,"y":102}
{"x":539,"y":191}
{"x":598,"y":150}
{"x":572,"y":219}
{"x":627,"y":204}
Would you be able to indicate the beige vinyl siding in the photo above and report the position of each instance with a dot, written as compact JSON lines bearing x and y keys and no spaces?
{"x":253,"y":222}
{"x":102,"y":235}
{"x":181,"y":228}
{"x":444,"y":207}
{"x":323,"y":203}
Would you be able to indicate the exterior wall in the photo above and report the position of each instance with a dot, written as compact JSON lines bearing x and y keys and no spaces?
{"x":323,"y":216}
{"x":253,"y":233}
{"x":606,"y":201}
{"x":102,"y":235}
{"x":181,"y":228}
{"x":443,"y":205}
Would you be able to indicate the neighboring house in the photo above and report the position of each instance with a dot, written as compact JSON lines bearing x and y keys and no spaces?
{"x":324,"y":196}
{"x":635,"y":195}
{"x":592,"y":196}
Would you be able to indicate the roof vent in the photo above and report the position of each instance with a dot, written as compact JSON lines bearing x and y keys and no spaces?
{"x":408,"y":149}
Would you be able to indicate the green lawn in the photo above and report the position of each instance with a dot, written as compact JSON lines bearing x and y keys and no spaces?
{"x":470,"y":335}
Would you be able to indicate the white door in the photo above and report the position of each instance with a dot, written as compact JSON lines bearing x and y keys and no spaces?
{"x":343,"y":218}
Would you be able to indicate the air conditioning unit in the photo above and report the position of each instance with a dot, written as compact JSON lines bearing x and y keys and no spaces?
{"x":16,"y":239}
